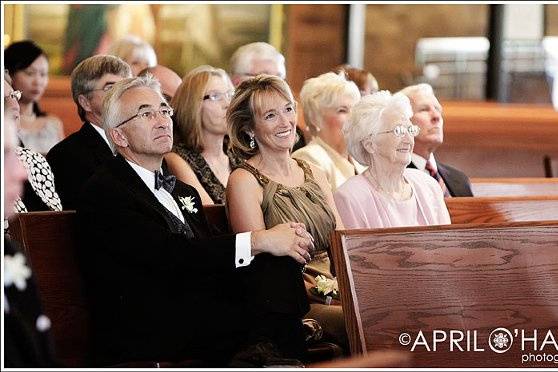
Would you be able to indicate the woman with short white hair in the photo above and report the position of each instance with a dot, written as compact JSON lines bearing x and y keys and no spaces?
{"x":380,"y":134}
{"x":326,"y":102}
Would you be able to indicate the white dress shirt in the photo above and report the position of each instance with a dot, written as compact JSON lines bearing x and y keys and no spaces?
{"x":420,"y":162}
{"x":243,"y":250}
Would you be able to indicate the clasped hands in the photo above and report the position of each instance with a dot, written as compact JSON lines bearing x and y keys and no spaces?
{"x":286,"y":239}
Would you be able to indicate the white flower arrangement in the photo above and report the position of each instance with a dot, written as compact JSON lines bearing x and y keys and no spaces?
{"x":16,"y":271}
{"x":327,"y":287}
{"x":188,"y":204}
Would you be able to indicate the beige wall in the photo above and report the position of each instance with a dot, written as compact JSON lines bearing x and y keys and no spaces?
{"x":393,"y":30}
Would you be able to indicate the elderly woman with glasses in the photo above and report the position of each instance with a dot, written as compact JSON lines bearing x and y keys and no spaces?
{"x":271,"y":188}
{"x":388,"y":194}
{"x":199,"y":157}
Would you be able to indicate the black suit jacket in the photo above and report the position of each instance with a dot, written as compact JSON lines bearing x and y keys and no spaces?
{"x":457,"y":182}
{"x":74,"y":160}
{"x":24,"y":344}
{"x":156,"y":295}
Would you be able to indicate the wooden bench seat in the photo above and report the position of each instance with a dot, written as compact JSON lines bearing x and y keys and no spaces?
{"x":514,"y":186}
{"x":401,"y":282}
{"x":502,"y":209}
{"x":490,"y":139}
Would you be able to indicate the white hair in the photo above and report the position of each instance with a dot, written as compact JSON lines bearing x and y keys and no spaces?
{"x":366,"y":118}
{"x":322,"y":92}
{"x":242,"y":58}
{"x":130,"y":46}
{"x":112,"y":109}
{"x":412,"y":90}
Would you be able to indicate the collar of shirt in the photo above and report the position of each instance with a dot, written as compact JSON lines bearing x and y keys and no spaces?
{"x":420,"y":162}
{"x":101,"y":132}
{"x":147,"y":176}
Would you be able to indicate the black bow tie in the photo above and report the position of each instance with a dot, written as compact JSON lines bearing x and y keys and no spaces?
{"x":167,"y":182}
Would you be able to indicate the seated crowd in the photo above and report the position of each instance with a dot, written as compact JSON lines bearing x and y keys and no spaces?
{"x":154,"y":149}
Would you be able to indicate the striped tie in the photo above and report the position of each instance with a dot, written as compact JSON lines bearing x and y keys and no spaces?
{"x":434,"y":173}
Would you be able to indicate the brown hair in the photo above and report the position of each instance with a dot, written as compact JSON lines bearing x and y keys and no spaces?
{"x":360,"y":77}
{"x":187,"y":105}
{"x":246,"y":103}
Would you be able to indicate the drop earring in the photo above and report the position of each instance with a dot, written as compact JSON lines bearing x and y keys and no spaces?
{"x":252,"y":142}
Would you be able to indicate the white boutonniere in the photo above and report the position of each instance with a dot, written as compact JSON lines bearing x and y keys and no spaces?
{"x":188,"y":204}
{"x":16,"y":271}
{"x":327,"y":288}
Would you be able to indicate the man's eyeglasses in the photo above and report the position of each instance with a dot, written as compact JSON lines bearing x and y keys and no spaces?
{"x":218,"y":96}
{"x":15,"y":94}
{"x":272,"y":116}
{"x":150,"y":114}
{"x":400,"y":130}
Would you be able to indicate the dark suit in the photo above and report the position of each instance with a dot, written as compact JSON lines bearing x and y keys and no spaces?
{"x":24,"y":344}
{"x":457,"y":182}
{"x":74,"y":160}
{"x":157,"y":294}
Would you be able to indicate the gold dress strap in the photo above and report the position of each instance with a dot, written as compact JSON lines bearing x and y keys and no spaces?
{"x":263,"y":180}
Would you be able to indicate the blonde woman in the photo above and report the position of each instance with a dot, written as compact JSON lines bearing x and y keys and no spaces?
{"x":198,"y":157}
{"x":326,"y":102}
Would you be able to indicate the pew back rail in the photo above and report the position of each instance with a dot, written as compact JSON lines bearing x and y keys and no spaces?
{"x":475,"y":277}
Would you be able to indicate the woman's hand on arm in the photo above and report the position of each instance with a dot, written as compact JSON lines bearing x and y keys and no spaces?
{"x":182,"y":170}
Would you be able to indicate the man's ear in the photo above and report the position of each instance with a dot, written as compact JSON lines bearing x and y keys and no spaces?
{"x":118,"y":137}
{"x":84,"y":103}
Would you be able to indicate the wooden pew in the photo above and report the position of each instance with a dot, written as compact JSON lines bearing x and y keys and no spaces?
{"x":502,"y":209}
{"x":48,"y":239}
{"x":396,"y":283}
{"x":489,"y":139}
{"x":514,"y":186}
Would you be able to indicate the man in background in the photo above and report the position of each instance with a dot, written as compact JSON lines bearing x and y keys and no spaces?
{"x":427,"y":114}
{"x":76,"y":158}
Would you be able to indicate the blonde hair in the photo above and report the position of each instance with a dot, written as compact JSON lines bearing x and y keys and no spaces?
{"x":187,"y":105}
{"x":246,"y":103}
{"x":366,"y":117}
{"x":323,"y":92}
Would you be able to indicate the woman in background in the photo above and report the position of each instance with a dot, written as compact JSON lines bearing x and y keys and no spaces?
{"x":27,"y":65}
{"x":388,"y":194}
{"x":327,"y":101}
{"x":364,"y":80}
{"x":198,"y":157}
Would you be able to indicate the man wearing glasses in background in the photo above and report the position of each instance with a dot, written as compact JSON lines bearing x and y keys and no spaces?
{"x":163,"y":288}
{"x":76,"y":158}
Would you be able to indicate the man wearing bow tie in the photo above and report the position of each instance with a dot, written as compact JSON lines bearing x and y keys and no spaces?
{"x":162,"y":287}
